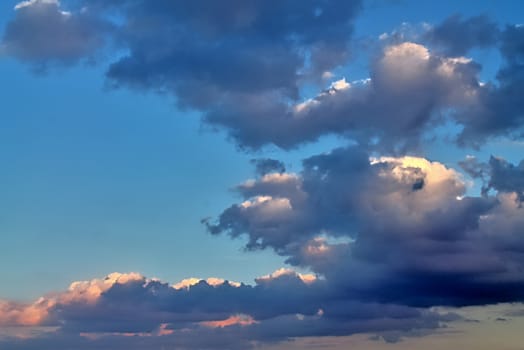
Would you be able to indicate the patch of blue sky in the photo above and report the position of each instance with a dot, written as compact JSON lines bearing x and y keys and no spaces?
{"x":99,"y":180}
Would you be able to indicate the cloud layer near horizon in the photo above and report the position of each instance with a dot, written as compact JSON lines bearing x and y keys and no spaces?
{"x":139,"y":313}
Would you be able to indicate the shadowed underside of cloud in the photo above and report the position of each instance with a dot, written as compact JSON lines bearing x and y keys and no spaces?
{"x":132,"y":312}
{"x":396,"y":230}
{"x":245,"y":66}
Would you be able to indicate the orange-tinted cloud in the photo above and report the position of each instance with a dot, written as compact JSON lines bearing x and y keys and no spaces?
{"x":241,"y":320}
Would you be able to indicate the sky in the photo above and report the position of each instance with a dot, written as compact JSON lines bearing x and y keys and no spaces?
{"x":320,"y":174}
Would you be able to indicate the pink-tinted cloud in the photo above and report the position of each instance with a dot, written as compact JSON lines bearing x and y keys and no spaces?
{"x":242,"y":320}
{"x":125,"y":307}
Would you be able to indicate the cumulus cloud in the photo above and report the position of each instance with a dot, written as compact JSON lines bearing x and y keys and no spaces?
{"x":43,"y":34}
{"x":388,"y":229}
{"x":408,"y":92}
{"x":139,"y":313}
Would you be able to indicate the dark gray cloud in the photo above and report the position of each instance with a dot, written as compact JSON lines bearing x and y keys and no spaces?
{"x":498,"y":174}
{"x":474,"y":168}
{"x":456,"y":36}
{"x":396,"y":230}
{"x":267,"y":165}
{"x":232,"y":44}
{"x":515,"y":313}
{"x":500,"y":111}
{"x":200,"y":50}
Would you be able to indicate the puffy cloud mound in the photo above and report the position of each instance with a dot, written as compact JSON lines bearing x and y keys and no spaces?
{"x":139,"y":313}
{"x":43,"y":34}
{"x":389,"y":229}
{"x":408,"y":90}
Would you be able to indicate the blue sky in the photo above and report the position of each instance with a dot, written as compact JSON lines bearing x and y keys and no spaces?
{"x":130,"y":146}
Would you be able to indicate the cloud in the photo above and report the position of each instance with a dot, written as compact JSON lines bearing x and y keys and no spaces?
{"x":38,"y":313}
{"x":212,"y":281}
{"x":214,"y":58}
{"x":246,"y":66}
{"x":456,"y":36}
{"x":407,"y":93}
{"x":498,"y":174}
{"x":255,"y":35}
{"x":267,"y":165}
{"x":29,"y":3}
{"x":131,"y":311}
{"x":283,"y":272}
{"x":500,"y":112}
{"x":388,"y":229}
{"x":43,"y":34}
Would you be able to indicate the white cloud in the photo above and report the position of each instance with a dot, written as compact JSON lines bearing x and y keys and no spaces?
{"x":28,"y":3}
